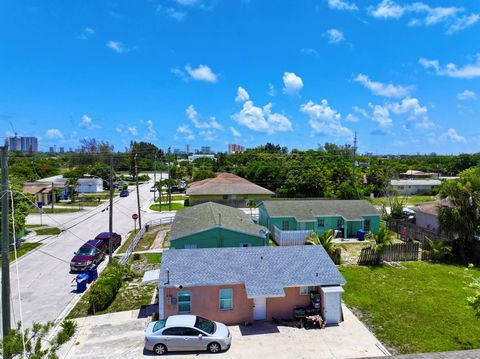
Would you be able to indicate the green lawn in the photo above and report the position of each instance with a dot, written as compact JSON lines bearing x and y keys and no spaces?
{"x":418,"y":307}
{"x":127,"y":242}
{"x":410,"y":201}
{"x":174,"y":198}
{"x":57,"y":210}
{"x":79,"y":204}
{"x":147,"y":240}
{"x":22,"y":249}
{"x":165,"y":207}
{"x":48,"y":231}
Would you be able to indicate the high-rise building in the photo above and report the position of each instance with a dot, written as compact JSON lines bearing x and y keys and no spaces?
{"x":235,"y":148}
{"x":62,"y":149}
{"x":51,"y":149}
{"x":24,"y":144}
{"x":206,"y":149}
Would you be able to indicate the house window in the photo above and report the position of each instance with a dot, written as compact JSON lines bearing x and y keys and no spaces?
{"x":321,"y":222}
{"x":184,"y":302}
{"x":366,"y":225}
{"x":245,"y":244}
{"x":285,"y":225}
{"x":225,"y":196}
{"x":226,"y":299}
{"x":339,"y":223}
{"x":190,"y":246}
{"x":306,"y":290}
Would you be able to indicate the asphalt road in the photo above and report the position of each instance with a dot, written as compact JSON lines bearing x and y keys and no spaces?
{"x":46,"y":285}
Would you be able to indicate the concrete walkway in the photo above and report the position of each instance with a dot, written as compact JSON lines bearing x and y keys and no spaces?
{"x":121,"y":335}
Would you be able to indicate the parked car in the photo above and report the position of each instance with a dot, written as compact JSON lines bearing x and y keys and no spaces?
{"x":187,"y":333}
{"x":92,"y":252}
{"x":116,"y":239}
{"x":124,"y":193}
{"x":153,"y":189}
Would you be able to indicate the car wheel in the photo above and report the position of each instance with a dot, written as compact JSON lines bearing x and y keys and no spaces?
{"x":214,"y":348}
{"x":159,"y":349}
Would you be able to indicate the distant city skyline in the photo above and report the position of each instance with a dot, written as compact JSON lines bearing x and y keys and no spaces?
{"x":404,"y":75}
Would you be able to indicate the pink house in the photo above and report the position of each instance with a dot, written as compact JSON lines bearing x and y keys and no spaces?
{"x":239,"y":285}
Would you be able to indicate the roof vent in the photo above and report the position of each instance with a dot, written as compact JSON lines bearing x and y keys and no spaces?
{"x":317,"y":274}
{"x":261,"y":257}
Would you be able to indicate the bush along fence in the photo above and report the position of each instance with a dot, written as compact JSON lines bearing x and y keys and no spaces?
{"x":139,"y":235}
{"x":398,"y":252}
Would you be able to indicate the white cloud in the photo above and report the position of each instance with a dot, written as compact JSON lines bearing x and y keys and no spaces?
{"x":86,"y":33}
{"x":54,"y":134}
{"x":325,"y":120}
{"x":309,"y":51}
{"x":262,"y":119}
{"x":194,"y":116}
{"x":463,"y":22}
{"x":334,"y":36}
{"x":151,"y":132}
{"x":453,"y":17}
{"x":87,"y":123}
{"x":208,"y":135}
{"x":387,"y":9}
{"x":468,"y":71}
{"x":467,"y":95}
{"x":452,"y":136}
{"x":351,"y":118}
{"x":242,"y":95}
{"x":201,"y":73}
{"x":133,"y":130}
{"x":292,"y":83}
{"x":235,"y":132}
{"x":271,"y":90}
{"x":116,"y":46}
{"x":361,"y":111}
{"x":381,"y":116}
{"x":386,"y":90}
{"x":185,"y":132}
{"x":342,"y":5}
{"x":172,"y":13}
{"x":186,"y":2}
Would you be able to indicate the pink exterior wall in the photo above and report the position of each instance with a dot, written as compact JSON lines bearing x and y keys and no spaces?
{"x":205,"y":302}
{"x":282,"y":307}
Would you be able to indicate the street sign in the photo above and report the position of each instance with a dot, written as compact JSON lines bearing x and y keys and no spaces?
{"x":134,"y":216}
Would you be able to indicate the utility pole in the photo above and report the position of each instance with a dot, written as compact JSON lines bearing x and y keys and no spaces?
{"x":155,"y":179}
{"x":354,"y":155}
{"x":138,"y":194}
{"x":110,"y":213}
{"x":5,"y":245}
{"x":169,"y":182}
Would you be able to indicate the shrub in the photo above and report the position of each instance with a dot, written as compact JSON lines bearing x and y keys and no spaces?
{"x":186,"y":203}
{"x":105,"y":289}
{"x":68,"y":329}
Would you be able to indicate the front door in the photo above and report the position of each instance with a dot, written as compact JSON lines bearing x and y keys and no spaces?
{"x":260,"y":308}
{"x":302,"y":226}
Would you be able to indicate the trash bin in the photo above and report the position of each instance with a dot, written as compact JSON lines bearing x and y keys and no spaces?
{"x":81,"y":282}
{"x":361,"y":234}
{"x":91,"y":273}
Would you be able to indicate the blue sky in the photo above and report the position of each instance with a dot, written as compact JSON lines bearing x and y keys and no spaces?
{"x":404,"y":75}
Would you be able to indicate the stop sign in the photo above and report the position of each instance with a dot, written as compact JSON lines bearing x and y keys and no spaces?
{"x":134,"y":216}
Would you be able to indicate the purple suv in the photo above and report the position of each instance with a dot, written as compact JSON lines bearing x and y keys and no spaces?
{"x":92,"y":252}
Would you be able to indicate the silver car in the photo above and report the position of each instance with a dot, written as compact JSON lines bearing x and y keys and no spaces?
{"x":186,"y":333}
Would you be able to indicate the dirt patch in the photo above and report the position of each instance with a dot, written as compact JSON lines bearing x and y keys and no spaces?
{"x":158,"y":242}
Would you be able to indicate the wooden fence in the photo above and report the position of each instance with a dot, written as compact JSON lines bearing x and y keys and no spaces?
{"x":398,"y":252}
{"x":409,"y":231}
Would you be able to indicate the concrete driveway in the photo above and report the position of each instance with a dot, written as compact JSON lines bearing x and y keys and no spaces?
{"x":121,"y":335}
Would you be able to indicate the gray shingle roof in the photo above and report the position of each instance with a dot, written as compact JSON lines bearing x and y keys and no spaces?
{"x":265,"y":271}
{"x":210,"y":215}
{"x":308,"y":210}
{"x":416,"y":182}
{"x":226,"y":184}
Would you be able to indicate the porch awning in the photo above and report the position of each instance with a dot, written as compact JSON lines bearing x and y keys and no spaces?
{"x":150,"y":276}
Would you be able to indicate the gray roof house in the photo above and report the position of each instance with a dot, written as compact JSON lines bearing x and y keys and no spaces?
{"x":236,"y":285}
{"x":212,"y":224}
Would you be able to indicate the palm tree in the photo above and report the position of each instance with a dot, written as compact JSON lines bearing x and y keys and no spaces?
{"x":438,"y":249}
{"x":460,"y":217}
{"x":326,"y":241}
{"x":382,"y":239}
{"x":251,"y":204}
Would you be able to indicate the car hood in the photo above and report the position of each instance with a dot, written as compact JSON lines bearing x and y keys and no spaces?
{"x":83,"y":258}
{"x":222,"y":330}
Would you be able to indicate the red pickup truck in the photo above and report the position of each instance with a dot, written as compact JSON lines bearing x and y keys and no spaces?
{"x":116,"y":239}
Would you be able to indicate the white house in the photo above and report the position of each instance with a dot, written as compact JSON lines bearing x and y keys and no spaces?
{"x":89,"y":185}
{"x":412,"y":186}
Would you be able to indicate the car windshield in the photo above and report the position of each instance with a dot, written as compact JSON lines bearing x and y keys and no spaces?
{"x":206,"y":325}
{"x":159,"y":325}
{"x":86,"y":251}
